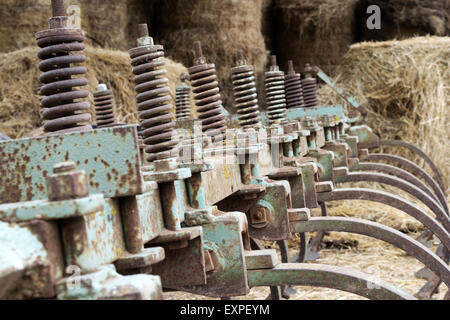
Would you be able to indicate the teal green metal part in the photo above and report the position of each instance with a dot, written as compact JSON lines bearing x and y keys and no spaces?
{"x":224,"y":237}
{"x":325,"y":161}
{"x":327,"y":276}
{"x":316,"y":113}
{"x":109,"y":157}
{"x":106,"y":284}
{"x":94,"y":240}
{"x":367,"y":139}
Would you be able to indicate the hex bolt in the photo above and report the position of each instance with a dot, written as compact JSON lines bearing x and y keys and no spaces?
{"x":259,"y":217}
{"x":64,"y":167}
{"x":67,"y":182}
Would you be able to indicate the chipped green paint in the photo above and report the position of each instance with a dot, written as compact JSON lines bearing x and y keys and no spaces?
{"x":109,"y":157}
{"x":51,"y":210}
{"x":94,"y":240}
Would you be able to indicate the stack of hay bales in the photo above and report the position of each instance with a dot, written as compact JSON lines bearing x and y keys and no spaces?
{"x":402,"y":19}
{"x":108,"y":24}
{"x":406,"y":86}
{"x":20,"y":110}
{"x":223,"y":27}
{"x":314,"y":31}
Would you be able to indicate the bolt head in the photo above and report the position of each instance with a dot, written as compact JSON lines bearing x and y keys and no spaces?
{"x":67,"y":183}
{"x":58,"y":22}
{"x":259,"y":216}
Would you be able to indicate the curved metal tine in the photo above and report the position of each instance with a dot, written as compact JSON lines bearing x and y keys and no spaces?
{"x":395,"y":202}
{"x":314,"y":248}
{"x":398,"y":183}
{"x":405,"y":186}
{"x":302,"y":252}
{"x":381,"y":232}
{"x":275,"y":291}
{"x":398,"y":143}
{"x":317,"y":275}
{"x":412,"y":167}
{"x":433,"y":283}
{"x":286,"y":291}
{"x":256,"y":244}
{"x":429,"y":289}
{"x":399,"y":173}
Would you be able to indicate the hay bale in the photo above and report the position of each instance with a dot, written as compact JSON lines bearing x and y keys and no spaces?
{"x":406,"y":86}
{"x":401,"y":19}
{"x":314,"y":31}
{"x":115,"y":30}
{"x":223,"y":27}
{"x":20,"y":105}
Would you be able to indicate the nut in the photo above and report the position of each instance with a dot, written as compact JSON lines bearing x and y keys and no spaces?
{"x":67,"y":183}
{"x":259,"y":217}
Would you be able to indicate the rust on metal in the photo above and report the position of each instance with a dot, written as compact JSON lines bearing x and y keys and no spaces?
{"x":153,"y":98}
{"x":66,"y":108}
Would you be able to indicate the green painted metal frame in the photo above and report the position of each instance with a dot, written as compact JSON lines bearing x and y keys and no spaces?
{"x":109,"y":156}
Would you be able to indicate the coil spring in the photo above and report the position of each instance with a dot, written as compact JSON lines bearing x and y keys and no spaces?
{"x":207,"y":95}
{"x":65,"y":108}
{"x":309,"y":84}
{"x":245,"y":95}
{"x":294,"y":90}
{"x":183,"y":100}
{"x":275,"y":96}
{"x":153,"y":100}
{"x":104,"y":108}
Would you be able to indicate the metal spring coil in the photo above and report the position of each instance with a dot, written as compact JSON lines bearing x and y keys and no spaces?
{"x":207,"y":99}
{"x":294,"y":90}
{"x":104,"y":108}
{"x":310,"y":91}
{"x":62,"y":113}
{"x":275,"y":96}
{"x":153,"y":101}
{"x":245,"y":96}
{"x":183,"y":101}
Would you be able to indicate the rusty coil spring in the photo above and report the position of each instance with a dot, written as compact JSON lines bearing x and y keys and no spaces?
{"x":245,"y":95}
{"x":104,"y":108}
{"x":275,"y":96}
{"x":153,"y":101}
{"x":206,"y":91}
{"x":65,"y":107}
{"x":309,"y":84}
{"x":183,"y":100}
{"x":294,"y":90}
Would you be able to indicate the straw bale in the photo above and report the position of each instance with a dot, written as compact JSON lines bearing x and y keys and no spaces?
{"x":19,"y":101}
{"x":223,"y":27}
{"x":405,"y":84}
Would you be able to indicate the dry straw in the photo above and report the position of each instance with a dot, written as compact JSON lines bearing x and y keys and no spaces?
{"x":316,"y":31}
{"x":222,"y":26}
{"x":109,"y":24}
{"x":405,"y":84}
{"x":19,"y":102}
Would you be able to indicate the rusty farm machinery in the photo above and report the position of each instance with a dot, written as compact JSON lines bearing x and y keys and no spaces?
{"x":125,"y":211}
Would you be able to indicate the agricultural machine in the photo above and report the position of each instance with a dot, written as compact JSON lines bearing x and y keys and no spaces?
{"x":125,"y":211}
